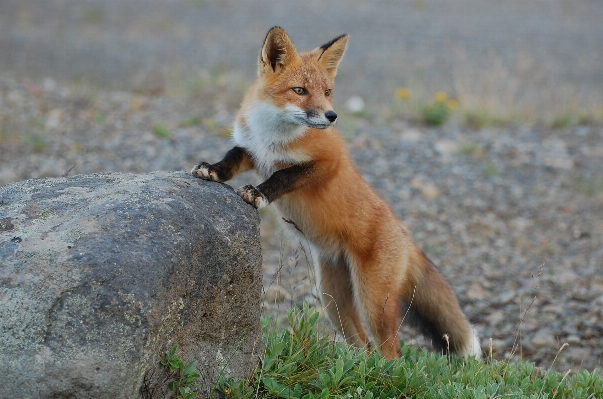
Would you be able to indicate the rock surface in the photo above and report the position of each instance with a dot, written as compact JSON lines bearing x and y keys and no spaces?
{"x":101,"y":274}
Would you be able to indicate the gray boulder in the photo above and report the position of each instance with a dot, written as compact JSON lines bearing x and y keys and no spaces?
{"x":101,"y":274}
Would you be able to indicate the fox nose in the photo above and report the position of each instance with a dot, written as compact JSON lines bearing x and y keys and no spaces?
{"x":331,"y":116}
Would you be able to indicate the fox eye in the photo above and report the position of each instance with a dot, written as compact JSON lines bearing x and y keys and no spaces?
{"x":328,"y":92}
{"x":300,"y":90}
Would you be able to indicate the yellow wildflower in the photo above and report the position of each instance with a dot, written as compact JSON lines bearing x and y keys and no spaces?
{"x":440,"y":97}
{"x":452,"y":104}
{"x":403,"y":93}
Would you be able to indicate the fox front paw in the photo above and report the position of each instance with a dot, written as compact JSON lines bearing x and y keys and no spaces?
{"x":205,"y":171}
{"x":253,"y":196}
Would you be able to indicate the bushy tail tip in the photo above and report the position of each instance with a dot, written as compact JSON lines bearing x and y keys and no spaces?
{"x":473,"y":347}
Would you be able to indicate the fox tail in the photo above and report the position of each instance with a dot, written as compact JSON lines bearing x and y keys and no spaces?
{"x":431,"y":306}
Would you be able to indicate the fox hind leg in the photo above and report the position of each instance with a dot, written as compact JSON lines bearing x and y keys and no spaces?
{"x":336,"y":292}
{"x":379,"y":300}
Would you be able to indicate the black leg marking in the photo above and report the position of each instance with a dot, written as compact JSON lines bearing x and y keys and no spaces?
{"x":286,"y":180}
{"x":234,"y":160}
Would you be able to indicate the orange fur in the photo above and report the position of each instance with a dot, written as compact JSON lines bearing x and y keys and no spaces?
{"x":366,"y":261}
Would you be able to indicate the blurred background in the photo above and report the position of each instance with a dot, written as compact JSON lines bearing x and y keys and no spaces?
{"x":518,"y":59}
{"x":479,"y":121}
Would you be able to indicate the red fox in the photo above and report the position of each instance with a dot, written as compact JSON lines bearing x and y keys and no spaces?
{"x":370,"y":272}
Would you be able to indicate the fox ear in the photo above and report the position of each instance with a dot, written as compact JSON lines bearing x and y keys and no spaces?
{"x":330,"y":54}
{"x":277,"y":52}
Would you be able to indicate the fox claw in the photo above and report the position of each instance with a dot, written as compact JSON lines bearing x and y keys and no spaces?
{"x":204,"y":171}
{"x":252,"y":196}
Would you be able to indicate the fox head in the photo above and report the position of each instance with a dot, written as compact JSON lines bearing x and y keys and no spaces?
{"x":299,"y":85}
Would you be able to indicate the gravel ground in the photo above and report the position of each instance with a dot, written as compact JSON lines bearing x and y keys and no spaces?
{"x":513,"y":217}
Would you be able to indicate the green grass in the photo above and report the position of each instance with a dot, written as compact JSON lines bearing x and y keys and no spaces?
{"x":183,"y":377}
{"x":192,"y":121}
{"x":479,"y":118}
{"x":490,"y":170}
{"x":435,"y":114}
{"x":179,"y":378}
{"x":589,"y":183}
{"x":300,"y":363}
{"x":37,"y":141}
{"x":161,"y":131}
{"x":99,"y":117}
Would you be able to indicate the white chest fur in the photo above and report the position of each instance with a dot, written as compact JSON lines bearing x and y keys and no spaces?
{"x":266,"y":134}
